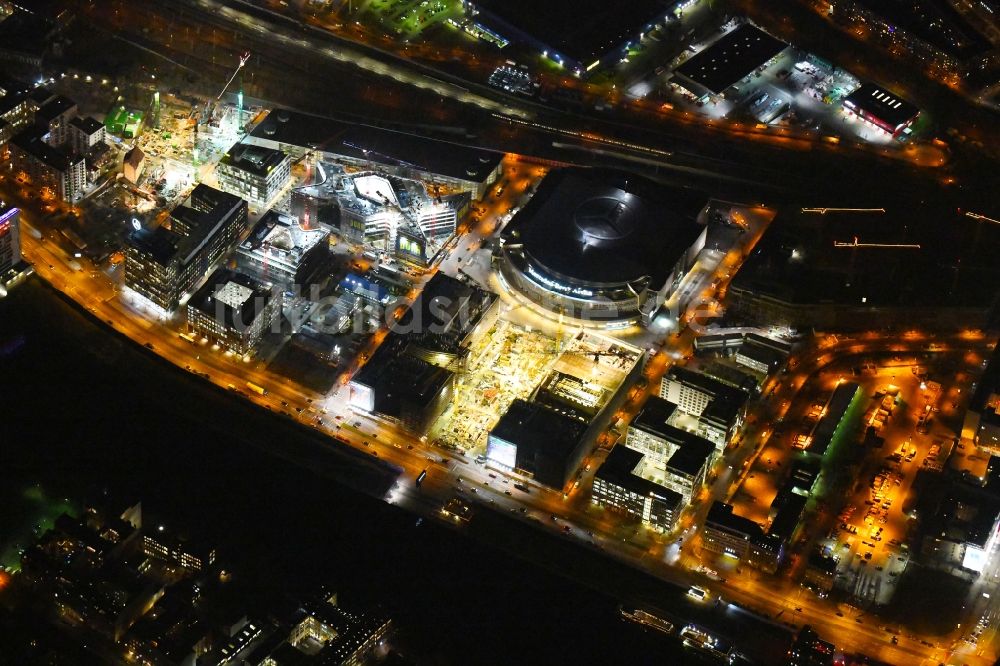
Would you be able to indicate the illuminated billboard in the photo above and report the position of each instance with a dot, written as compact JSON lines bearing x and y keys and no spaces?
{"x":501,"y":452}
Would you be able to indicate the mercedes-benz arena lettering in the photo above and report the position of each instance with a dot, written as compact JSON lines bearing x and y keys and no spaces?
{"x":602,"y":245}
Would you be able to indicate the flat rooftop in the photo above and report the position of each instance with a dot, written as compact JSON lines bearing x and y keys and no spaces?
{"x":230,"y":297}
{"x":30,"y":141}
{"x":882,"y":104}
{"x":444,"y":313}
{"x":731,"y":58}
{"x":584,"y":31}
{"x":87,"y":124}
{"x":397,"y":378}
{"x":54,"y":108}
{"x":654,"y":415}
{"x":721,"y":515}
{"x":707,"y":384}
{"x":367,"y":142}
{"x":539,"y":429}
{"x":257,"y":160}
{"x":619,"y":468}
{"x":160,"y":243}
{"x":691,"y":457}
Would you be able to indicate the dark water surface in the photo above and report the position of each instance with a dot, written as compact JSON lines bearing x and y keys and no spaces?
{"x":83,"y":409}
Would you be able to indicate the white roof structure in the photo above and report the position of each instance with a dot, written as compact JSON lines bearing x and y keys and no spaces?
{"x":234,"y":295}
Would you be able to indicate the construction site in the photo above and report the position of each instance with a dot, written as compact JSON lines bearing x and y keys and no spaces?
{"x":580,"y":371}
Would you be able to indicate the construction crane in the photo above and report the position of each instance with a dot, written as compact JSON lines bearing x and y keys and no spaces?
{"x":210,"y":106}
{"x":981,"y":218}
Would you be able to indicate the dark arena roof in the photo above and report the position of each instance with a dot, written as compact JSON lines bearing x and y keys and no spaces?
{"x":882,"y":104}
{"x":381,"y":146}
{"x":584,"y":31}
{"x":731,"y":58}
{"x":605,"y":228}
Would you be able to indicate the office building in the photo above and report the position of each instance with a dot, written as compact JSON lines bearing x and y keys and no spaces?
{"x":401,"y":386}
{"x":619,"y":485}
{"x":234,"y":311}
{"x":959,"y":524}
{"x":17,"y":107}
{"x":931,"y":267}
{"x":162,"y":265}
{"x":169,"y":548}
{"x":601,"y":245}
{"x":52,"y":171}
{"x":399,"y":216}
{"x":759,"y":358}
{"x":539,"y":442}
{"x":282,"y":251}
{"x":717,"y":408}
{"x":821,"y":571}
{"x":726,"y":533}
{"x":692,"y":391}
{"x":254,"y":173}
{"x":27,"y":37}
{"x":808,"y":649}
{"x":931,"y":33}
{"x":678,"y":459}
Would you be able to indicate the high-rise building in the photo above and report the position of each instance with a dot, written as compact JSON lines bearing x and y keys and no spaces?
{"x":619,"y":485}
{"x":255,"y":173}
{"x":161,"y":264}
{"x":283,"y":251}
{"x":679,"y":459}
{"x":54,"y":118}
{"x":85,"y":134}
{"x":234,"y":311}
{"x":10,"y":238}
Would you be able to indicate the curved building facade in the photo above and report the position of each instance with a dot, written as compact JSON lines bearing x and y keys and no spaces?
{"x":601,"y":245}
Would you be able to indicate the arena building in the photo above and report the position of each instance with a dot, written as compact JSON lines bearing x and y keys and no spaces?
{"x":602,"y":245}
